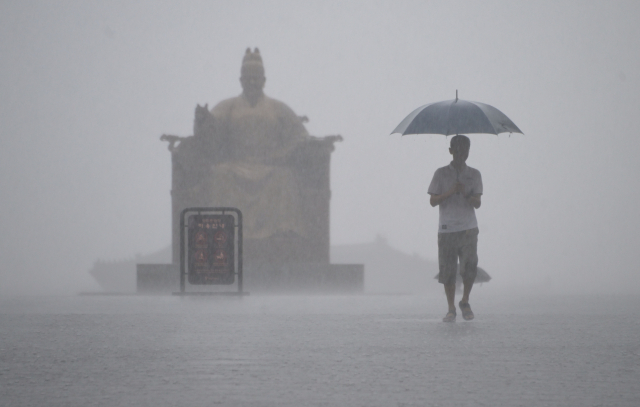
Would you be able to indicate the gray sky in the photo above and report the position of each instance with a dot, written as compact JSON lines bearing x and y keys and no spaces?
{"x":87,"y":88}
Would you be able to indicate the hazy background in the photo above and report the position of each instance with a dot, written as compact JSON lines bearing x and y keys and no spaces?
{"x":87,"y":88}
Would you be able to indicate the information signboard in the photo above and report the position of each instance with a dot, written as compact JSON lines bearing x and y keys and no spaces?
{"x":211,"y":249}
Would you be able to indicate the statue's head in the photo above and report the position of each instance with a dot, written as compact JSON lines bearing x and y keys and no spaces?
{"x":252,"y":73}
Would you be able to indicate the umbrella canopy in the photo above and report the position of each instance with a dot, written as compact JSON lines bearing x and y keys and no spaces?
{"x":456,"y":116}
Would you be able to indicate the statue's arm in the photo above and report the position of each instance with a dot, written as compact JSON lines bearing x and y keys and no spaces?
{"x":172,"y":141}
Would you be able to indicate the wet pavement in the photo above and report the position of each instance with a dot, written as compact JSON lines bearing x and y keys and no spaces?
{"x":364,"y":350}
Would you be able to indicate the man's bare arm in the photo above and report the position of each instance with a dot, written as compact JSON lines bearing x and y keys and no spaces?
{"x":474,"y":200}
{"x":436,"y":200}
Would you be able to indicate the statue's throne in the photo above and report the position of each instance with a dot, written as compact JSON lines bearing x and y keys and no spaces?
{"x":285,"y":259}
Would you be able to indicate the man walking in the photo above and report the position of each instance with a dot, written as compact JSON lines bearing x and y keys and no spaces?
{"x":457,"y":189}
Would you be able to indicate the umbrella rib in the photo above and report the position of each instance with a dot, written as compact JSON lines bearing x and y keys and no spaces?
{"x":449,"y":118}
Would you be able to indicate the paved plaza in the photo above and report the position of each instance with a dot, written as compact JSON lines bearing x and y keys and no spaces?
{"x":364,"y":350}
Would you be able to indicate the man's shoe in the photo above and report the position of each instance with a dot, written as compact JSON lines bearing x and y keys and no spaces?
{"x":450,"y":317}
{"x":467,"y":314}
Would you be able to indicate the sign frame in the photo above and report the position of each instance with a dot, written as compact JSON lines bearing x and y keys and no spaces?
{"x":236,"y":247}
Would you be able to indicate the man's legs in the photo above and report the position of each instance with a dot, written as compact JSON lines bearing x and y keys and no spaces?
{"x":448,"y":264}
{"x":468,"y":268}
{"x":450,"y":291}
{"x":467,"y":286}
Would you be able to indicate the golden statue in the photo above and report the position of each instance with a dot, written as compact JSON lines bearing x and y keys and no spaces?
{"x":254,"y":138}
{"x":253,"y":152}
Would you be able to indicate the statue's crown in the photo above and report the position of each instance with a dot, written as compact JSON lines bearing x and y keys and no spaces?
{"x":252,"y":61}
{"x":252,"y":57}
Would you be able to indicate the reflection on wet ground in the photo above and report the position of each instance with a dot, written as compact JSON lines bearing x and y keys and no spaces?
{"x":318,"y":350}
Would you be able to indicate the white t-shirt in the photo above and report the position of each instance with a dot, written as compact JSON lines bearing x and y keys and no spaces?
{"x":456,"y":213}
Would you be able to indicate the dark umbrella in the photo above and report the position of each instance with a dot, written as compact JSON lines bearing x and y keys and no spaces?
{"x":456,"y":116}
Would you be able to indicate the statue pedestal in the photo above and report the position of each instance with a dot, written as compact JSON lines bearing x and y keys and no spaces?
{"x":305,"y":278}
{"x":320,"y":278}
{"x":157,"y":278}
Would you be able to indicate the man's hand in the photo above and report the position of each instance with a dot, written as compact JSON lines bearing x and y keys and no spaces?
{"x":436,"y":200}
{"x":458,"y":188}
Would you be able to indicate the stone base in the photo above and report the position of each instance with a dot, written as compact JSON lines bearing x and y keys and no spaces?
{"x":157,"y":278}
{"x":305,"y":277}
{"x":268,"y":278}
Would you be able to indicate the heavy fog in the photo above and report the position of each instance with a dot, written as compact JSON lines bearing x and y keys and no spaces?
{"x":87,"y":88}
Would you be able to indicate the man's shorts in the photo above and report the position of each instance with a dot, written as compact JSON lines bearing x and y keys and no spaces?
{"x":454,"y":245}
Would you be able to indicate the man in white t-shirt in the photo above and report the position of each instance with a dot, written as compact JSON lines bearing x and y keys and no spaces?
{"x":457,"y":189}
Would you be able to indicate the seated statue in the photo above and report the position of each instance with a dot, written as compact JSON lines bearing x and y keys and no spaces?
{"x":254,"y":137}
{"x":253,"y":152}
